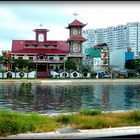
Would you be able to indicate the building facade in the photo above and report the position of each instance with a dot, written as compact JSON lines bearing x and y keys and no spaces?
{"x":98,"y":57}
{"x":48,"y":55}
{"x":118,"y":38}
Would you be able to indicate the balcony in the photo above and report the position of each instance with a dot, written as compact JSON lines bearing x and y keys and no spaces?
{"x":104,"y":58}
{"x":104,"y":51}
{"x":75,"y":55}
{"x":104,"y":64}
{"x":48,"y":61}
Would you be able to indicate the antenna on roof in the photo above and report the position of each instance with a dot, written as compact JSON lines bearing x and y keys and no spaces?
{"x":75,"y":14}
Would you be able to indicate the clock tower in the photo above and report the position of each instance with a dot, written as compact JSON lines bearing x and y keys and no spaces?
{"x":75,"y":41}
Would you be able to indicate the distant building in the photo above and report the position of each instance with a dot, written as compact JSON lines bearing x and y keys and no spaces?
{"x":129,"y":55}
{"x":97,"y":57}
{"x":118,"y":38}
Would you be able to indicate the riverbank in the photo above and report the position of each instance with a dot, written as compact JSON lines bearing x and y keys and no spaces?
{"x":66,"y":81}
{"x":72,"y":126}
{"x":69,"y":133}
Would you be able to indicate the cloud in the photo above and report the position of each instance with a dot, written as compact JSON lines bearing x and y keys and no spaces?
{"x":5,"y":45}
{"x":6,"y":14}
{"x":58,"y":32}
{"x":102,"y":15}
{"x":18,"y":20}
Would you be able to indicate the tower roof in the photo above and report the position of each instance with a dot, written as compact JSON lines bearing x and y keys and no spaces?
{"x":76,"y":38}
{"x":76,"y":23}
{"x":41,"y":30}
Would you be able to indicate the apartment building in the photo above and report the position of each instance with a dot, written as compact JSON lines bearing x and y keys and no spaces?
{"x":118,"y":38}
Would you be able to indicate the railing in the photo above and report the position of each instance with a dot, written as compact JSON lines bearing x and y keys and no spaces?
{"x":75,"y":55}
{"x":48,"y":60}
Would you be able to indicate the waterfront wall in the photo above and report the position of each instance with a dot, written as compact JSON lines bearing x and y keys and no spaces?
{"x":17,"y":74}
{"x":70,"y":81}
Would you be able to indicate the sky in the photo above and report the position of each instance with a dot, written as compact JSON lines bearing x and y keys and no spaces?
{"x":18,"y":19}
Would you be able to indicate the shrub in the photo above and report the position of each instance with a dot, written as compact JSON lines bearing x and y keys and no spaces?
{"x":134,"y":116}
{"x":9,"y":126}
{"x":86,"y":111}
{"x":65,"y":119}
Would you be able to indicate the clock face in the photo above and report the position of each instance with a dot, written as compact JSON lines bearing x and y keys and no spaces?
{"x":76,"y":47}
{"x":41,"y":38}
{"x":75,"y":32}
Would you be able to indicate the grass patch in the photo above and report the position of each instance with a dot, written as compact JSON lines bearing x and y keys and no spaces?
{"x":86,"y":111}
{"x":14,"y":123}
{"x":133,"y":116}
{"x":64,"y":119}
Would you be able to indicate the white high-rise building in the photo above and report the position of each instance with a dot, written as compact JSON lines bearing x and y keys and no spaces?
{"x":118,"y":38}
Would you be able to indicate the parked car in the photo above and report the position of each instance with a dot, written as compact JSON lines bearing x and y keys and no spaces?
{"x":107,"y":76}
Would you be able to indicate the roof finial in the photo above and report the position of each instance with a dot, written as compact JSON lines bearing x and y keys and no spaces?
{"x":75,"y":14}
{"x":40,"y":25}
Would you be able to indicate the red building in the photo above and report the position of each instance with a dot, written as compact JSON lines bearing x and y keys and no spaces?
{"x":49,"y":54}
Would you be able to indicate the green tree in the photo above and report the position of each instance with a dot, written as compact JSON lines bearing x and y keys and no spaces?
{"x":30,"y":65}
{"x":86,"y":68}
{"x":133,"y":64}
{"x":19,"y":63}
{"x":23,"y":65}
{"x":3,"y":61}
{"x":70,"y":64}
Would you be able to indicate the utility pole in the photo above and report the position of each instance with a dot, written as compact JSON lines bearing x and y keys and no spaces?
{"x":65,"y":58}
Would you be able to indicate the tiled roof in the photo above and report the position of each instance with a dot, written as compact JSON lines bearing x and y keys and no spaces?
{"x":100,"y":46}
{"x":47,"y":51}
{"x":78,"y":38}
{"x":18,"y":46}
{"x":36,"y":42}
{"x":76,"y":23}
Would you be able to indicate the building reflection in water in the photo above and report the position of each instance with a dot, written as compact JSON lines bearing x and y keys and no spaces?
{"x":132,"y":96}
{"x":69,"y":97}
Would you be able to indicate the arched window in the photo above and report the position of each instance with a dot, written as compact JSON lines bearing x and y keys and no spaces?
{"x":41,"y":37}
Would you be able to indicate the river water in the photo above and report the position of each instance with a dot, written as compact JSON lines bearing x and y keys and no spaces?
{"x":44,"y":98}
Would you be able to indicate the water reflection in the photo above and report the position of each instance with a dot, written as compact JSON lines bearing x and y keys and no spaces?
{"x":132,"y":96}
{"x":58,"y":98}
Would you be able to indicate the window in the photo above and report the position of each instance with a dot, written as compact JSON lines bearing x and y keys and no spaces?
{"x":35,"y":45}
{"x":41,"y":38}
{"x":61,"y":58}
{"x":30,"y":58}
{"x":20,"y":57}
{"x":50,"y":58}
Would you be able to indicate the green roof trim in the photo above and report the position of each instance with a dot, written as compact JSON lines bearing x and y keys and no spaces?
{"x":93,"y":52}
